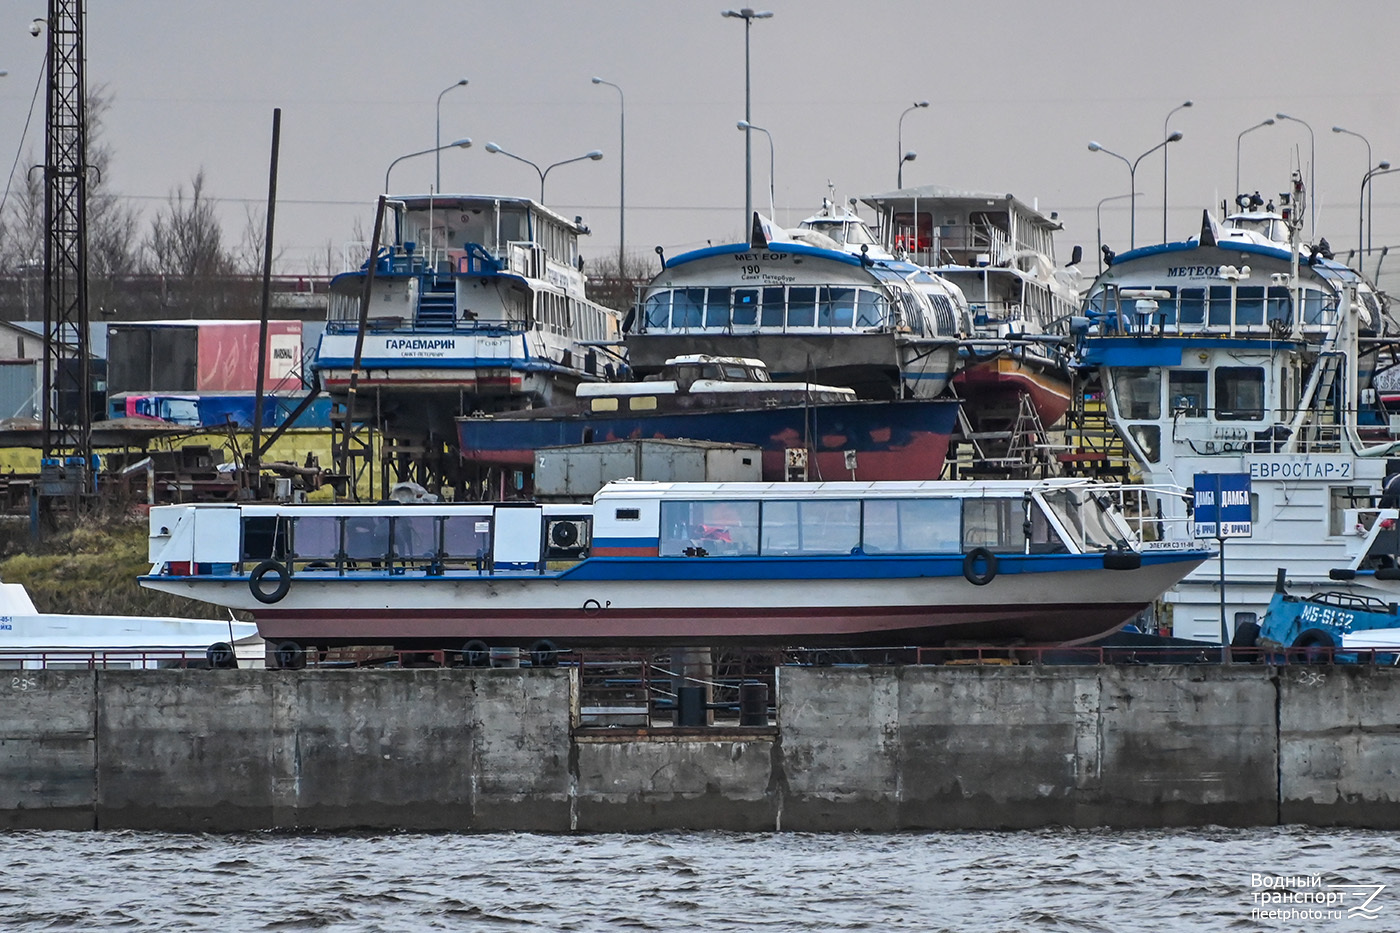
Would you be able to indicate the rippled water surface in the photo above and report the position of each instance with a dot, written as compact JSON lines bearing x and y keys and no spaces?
{"x":1052,"y":880}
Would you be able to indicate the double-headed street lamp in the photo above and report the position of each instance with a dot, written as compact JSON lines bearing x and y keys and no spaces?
{"x":1369,"y":163}
{"x":1312,"y":174}
{"x":1257,"y":126}
{"x":745,"y":125}
{"x":595,"y":155}
{"x":458,"y":144}
{"x":1182,"y":106}
{"x":621,"y":173}
{"x":911,"y":155}
{"x":748,"y":15}
{"x":1132,"y":180}
{"x":437,"y":139}
{"x":1381,"y":169}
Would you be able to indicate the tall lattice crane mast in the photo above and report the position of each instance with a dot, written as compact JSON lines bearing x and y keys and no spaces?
{"x":67,"y":370}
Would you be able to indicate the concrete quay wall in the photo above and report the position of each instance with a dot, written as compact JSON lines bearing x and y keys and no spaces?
{"x":878,"y":749}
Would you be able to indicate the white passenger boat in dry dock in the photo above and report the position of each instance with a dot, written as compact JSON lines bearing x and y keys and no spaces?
{"x":476,"y":304}
{"x":808,"y":309}
{"x":676,"y":563}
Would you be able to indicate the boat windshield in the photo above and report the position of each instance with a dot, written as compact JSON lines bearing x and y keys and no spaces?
{"x":851,"y":233}
{"x":1085,"y":516}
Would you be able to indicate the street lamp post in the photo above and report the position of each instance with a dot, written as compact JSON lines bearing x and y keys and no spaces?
{"x":1182,"y":106}
{"x":746,"y":126}
{"x":457,"y":144}
{"x":906,"y":156}
{"x":748,"y":15}
{"x":595,"y":155}
{"x":621,"y":174}
{"x":1369,"y":163}
{"x":437,"y":139}
{"x":1381,"y":169}
{"x":1312,"y":174}
{"x":1098,"y":220}
{"x":1257,"y":126}
{"x":1132,"y":180}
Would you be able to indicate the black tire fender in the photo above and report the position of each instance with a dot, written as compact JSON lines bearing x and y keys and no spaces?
{"x":1121,"y":559}
{"x":289,"y":656}
{"x":476,"y":653}
{"x":284,"y":582}
{"x":220,"y":656}
{"x":544,"y":653}
{"x":1316,"y":646}
{"x":1246,"y":635}
{"x":970,"y":561}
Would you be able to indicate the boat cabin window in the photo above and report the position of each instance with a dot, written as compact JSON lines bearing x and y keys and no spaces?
{"x":1191,"y":307}
{"x":415,"y":537}
{"x":745,"y":307}
{"x":657,"y":310}
{"x":366,"y":537}
{"x":838,"y":307}
{"x":906,"y":237}
{"x":1239,"y":393}
{"x":1278,"y":306}
{"x":1186,"y":389}
{"x":688,"y":307}
{"x":719,"y":528}
{"x":1137,"y":391}
{"x":717,"y":308}
{"x":1044,"y":539}
{"x":912,"y":526}
{"x":266,"y":537}
{"x":802,"y":306}
{"x":317,"y":537}
{"x":465,"y":538}
{"x":1086,"y":517}
{"x":996,"y":524}
{"x":1342,"y":498}
{"x":819,"y":526}
{"x":872,"y":310}
{"x":774,"y":306}
{"x":514,"y":226}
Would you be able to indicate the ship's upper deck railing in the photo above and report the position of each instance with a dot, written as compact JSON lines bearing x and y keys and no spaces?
{"x":1223,"y":309}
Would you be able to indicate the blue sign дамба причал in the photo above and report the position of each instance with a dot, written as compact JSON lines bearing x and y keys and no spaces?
{"x":1221,"y":506}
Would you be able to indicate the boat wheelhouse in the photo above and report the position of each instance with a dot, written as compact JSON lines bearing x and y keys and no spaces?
{"x":1230,"y":353}
{"x":884,"y":328}
{"x":1000,"y":252}
{"x":676,"y":563}
{"x":475,"y":303}
{"x":819,"y":431}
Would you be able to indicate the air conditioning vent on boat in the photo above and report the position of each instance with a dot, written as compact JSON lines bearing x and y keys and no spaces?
{"x":566,"y":538}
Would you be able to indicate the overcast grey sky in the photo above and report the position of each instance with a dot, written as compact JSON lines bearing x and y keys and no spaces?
{"x":1017,"y":90}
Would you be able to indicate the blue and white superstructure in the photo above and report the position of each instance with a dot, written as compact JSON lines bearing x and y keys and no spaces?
{"x":810,"y":310}
{"x":1238,"y":352}
{"x":477,"y":304}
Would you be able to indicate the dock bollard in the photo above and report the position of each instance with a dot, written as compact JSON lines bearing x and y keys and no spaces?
{"x":690,"y":706}
{"x":753,"y":703}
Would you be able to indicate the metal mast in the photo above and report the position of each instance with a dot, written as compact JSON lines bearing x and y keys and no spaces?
{"x":67,"y":371}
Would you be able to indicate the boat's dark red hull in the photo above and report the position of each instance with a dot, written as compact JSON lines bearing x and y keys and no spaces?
{"x":903,"y":440}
